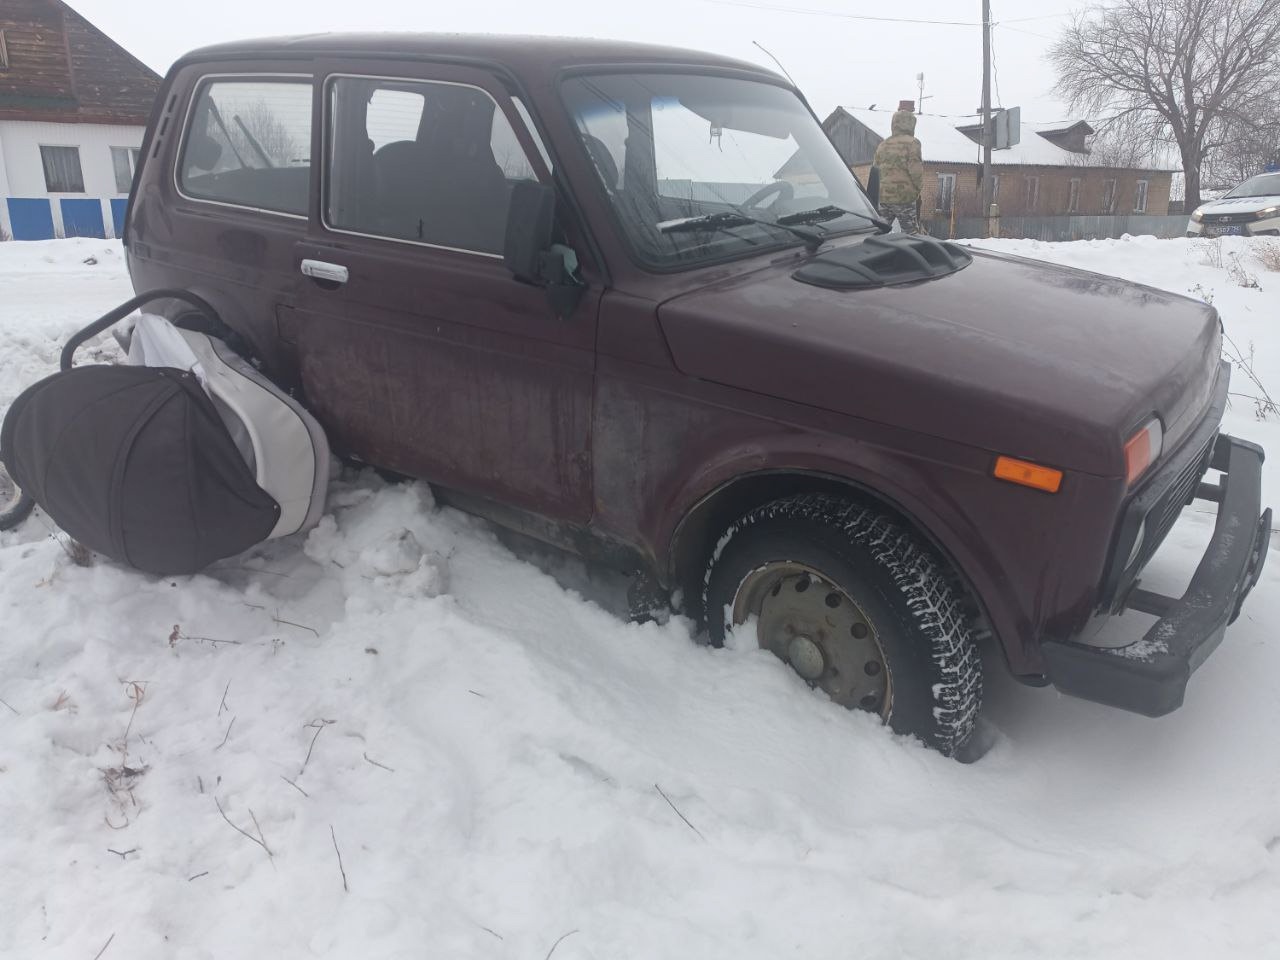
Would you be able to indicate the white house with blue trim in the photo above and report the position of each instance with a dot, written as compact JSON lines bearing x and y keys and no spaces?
{"x":73,"y":111}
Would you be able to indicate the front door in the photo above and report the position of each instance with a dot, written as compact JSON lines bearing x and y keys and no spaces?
{"x":413,"y":343}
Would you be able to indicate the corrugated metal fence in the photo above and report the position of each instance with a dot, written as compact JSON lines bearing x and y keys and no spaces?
{"x":1063,"y":228}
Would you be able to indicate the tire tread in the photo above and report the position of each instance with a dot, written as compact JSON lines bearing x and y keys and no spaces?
{"x":931,"y":595}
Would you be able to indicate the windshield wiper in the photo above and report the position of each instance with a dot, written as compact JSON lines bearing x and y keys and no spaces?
{"x":831,"y":212}
{"x":732,"y":218}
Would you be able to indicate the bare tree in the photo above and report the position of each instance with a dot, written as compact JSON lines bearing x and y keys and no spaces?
{"x":1249,"y":146}
{"x":1119,"y":146}
{"x":1174,"y":71}
{"x":255,"y":125}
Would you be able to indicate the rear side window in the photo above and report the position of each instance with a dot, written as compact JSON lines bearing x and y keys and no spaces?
{"x":428,"y":162}
{"x":248,"y":143}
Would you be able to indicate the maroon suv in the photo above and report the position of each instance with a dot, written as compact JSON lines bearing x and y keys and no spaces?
{"x":629,"y":300}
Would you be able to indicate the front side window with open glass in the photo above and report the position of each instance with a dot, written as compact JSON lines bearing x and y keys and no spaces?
{"x":703,"y":167}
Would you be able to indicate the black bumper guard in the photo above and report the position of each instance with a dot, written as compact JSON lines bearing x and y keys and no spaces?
{"x":1150,"y":675}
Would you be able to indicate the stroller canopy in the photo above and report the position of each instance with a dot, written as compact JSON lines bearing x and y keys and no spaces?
{"x":135,"y":463}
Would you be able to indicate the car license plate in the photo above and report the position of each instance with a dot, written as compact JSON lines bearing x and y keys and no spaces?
{"x":1224,"y":231}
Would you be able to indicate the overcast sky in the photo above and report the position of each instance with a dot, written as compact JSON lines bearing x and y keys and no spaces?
{"x":833,"y":58}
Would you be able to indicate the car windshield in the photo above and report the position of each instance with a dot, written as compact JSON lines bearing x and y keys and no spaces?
{"x":674,"y":148}
{"x":1266,"y":185}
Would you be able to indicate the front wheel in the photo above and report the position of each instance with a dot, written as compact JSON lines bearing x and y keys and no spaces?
{"x":859,"y":606}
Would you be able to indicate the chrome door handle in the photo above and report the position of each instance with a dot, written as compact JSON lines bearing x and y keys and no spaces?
{"x":321,"y":270}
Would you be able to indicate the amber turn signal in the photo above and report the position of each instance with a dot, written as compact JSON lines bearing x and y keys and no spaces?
{"x":1026,"y":474}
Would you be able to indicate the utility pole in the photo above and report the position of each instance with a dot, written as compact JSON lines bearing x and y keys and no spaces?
{"x":986,"y":113}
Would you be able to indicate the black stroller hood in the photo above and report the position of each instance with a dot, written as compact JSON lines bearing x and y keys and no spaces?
{"x":135,"y":463}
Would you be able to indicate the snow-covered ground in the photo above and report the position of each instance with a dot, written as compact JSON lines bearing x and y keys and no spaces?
{"x":502,"y":763}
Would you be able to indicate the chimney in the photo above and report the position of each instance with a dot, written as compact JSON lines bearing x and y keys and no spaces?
{"x":908,"y":106}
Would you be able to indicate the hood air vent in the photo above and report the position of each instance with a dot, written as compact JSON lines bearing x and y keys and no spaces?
{"x":883,"y":261}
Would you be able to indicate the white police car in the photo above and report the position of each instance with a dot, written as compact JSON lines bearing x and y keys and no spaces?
{"x":1250,"y":210}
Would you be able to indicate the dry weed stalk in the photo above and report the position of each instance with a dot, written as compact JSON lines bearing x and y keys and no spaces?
{"x":260,"y":840}
{"x":1263,"y":404}
{"x":1268,"y":254}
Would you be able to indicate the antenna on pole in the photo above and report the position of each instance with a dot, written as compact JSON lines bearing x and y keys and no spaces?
{"x":777,"y":61}
{"x":921,"y":98}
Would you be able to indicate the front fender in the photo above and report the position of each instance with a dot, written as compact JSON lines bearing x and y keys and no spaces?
{"x":666,"y":459}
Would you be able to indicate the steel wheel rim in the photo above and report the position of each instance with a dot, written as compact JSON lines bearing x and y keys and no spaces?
{"x":815,"y":627}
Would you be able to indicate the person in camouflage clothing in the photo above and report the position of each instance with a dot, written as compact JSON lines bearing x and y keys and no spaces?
{"x":901,"y":171}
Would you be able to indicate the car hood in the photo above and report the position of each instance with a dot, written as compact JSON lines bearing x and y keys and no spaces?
{"x":1010,"y":355}
{"x":1239,"y":204}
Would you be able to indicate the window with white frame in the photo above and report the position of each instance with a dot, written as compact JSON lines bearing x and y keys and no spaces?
{"x":62,"y":173}
{"x":1073,"y":196}
{"x":946,"y":193}
{"x":124,"y":161}
{"x":1140,"y":197}
{"x":1031,"y":195}
{"x":1108,"y":196}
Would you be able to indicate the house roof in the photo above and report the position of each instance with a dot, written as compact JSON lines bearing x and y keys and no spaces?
{"x":942,"y":141}
{"x":64,"y":69}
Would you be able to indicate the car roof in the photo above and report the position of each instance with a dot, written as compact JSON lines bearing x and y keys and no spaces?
{"x":521,"y":54}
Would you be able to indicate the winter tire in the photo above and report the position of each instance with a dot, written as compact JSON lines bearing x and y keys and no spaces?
{"x":859,"y":606}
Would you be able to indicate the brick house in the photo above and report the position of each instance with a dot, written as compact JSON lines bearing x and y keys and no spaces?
{"x":73,"y":110}
{"x":1049,"y":173}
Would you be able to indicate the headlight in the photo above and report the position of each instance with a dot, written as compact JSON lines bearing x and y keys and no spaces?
{"x":1142,"y":450}
{"x":1267,"y":213}
{"x":1197,"y":216}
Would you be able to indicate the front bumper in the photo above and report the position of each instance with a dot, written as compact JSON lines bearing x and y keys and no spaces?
{"x":1237,"y":226}
{"x":1150,"y":676}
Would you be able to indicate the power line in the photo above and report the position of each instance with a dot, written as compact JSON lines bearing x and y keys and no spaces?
{"x":843,"y":16}
{"x":1027,"y":33}
{"x":1043,"y":16}
{"x":810,"y":12}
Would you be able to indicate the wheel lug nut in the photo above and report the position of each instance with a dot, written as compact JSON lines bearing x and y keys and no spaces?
{"x":871,"y":667}
{"x":859,"y":631}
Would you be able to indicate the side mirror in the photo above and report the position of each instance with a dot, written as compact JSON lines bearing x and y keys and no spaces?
{"x":529,"y":251}
{"x":873,"y":187}
{"x":530,"y":221}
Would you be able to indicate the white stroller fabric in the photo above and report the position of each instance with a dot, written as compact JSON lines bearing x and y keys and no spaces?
{"x":280,"y":441}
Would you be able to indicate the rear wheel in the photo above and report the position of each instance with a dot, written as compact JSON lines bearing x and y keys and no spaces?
{"x":859,"y":606}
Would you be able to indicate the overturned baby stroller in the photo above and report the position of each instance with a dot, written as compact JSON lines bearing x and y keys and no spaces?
{"x":181,"y":456}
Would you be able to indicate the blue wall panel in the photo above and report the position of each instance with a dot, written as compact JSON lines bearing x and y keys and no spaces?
{"x":82,"y":218}
{"x":31,"y":219}
{"x":119,"y":208}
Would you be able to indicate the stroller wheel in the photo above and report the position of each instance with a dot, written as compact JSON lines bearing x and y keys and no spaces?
{"x":15,"y":506}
